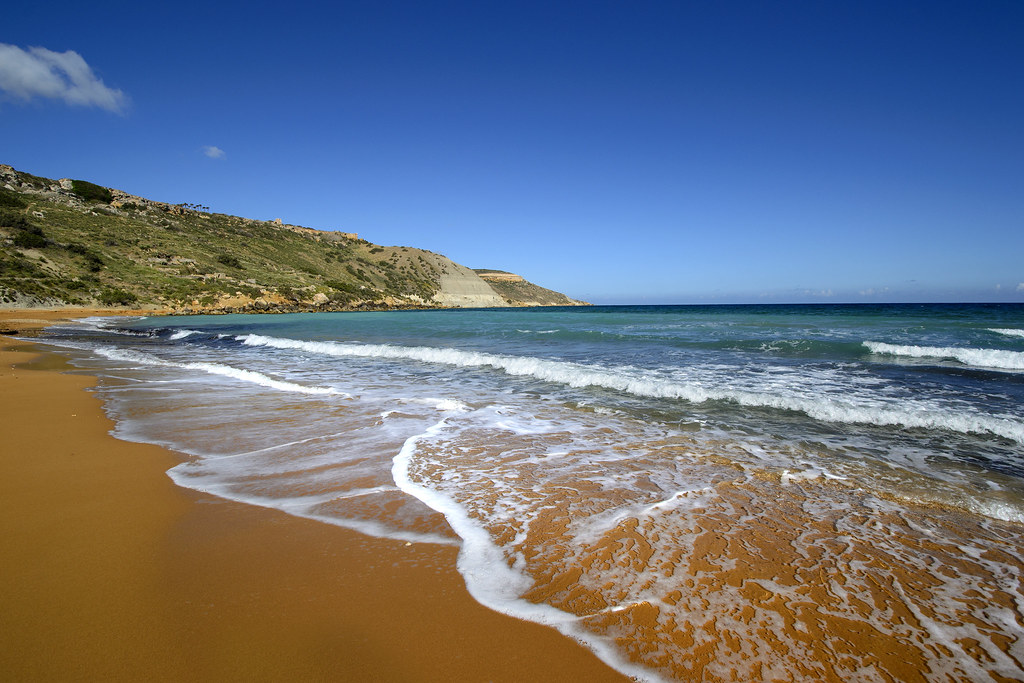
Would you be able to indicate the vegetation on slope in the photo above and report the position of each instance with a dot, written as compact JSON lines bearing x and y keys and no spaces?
{"x":79,"y":245}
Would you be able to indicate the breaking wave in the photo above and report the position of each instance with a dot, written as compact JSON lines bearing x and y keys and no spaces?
{"x":991,"y":359}
{"x":1007,"y":332}
{"x":636,"y":382}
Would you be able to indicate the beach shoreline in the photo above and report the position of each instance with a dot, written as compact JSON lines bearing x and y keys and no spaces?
{"x":111,"y":571}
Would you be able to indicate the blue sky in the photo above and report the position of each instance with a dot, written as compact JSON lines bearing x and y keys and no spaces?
{"x":642,"y":152}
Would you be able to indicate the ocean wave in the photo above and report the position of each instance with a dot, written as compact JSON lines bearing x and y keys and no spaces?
{"x":1007,"y":331}
{"x":637,"y":382}
{"x":105,"y":324}
{"x":829,"y":409}
{"x":182,"y":334}
{"x":217,"y":369}
{"x":991,"y":359}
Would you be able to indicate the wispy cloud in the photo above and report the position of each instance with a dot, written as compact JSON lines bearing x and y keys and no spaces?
{"x":213,"y":152}
{"x":1020,"y":287}
{"x":38,"y":72}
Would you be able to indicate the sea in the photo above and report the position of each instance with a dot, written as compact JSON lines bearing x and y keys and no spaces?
{"x":717,"y":493}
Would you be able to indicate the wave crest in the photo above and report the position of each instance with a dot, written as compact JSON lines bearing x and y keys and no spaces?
{"x":1007,"y":331}
{"x":636,"y":382}
{"x":989,"y":359}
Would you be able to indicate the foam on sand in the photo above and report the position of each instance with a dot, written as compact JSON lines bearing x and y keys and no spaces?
{"x":217,"y":369}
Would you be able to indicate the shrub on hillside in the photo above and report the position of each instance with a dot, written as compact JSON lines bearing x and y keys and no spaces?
{"x":11,"y":199}
{"x":117,"y":297}
{"x":357,"y":273}
{"x":90,"y":192}
{"x":342,"y":286}
{"x":92,"y":260}
{"x":13,"y":219}
{"x":229,"y":260}
{"x":27,"y":239}
{"x":341,"y":297}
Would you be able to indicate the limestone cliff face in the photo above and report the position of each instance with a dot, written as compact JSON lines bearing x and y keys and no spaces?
{"x":516,"y":291}
{"x":463,"y":288}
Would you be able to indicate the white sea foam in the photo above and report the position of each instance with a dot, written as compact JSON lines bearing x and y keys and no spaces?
{"x":300,"y":507}
{"x":481,"y":480}
{"x":104,"y":322}
{"x":440,"y":404}
{"x":811,"y":473}
{"x":1009,"y":332}
{"x":182,"y":334}
{"x":912,"y":416}
{"x":490,"y":577}
{"x":784,"y":394}
{"x":216,"y":369}
{"x":995,"y":359}
{"x":107,"y":324}
{"x":996,"y":510}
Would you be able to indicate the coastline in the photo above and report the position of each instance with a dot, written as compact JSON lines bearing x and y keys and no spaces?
{"x":110,"y":571}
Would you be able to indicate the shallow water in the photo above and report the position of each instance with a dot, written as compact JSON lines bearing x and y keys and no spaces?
{"x":733,"y":492}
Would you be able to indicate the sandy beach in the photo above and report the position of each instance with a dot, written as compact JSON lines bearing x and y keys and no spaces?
{"x":109,"y":571}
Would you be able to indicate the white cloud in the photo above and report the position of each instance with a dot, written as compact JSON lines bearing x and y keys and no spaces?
{"x":1020,"y":287}
{"x":39,"y":72}
{"x":213,"y":152}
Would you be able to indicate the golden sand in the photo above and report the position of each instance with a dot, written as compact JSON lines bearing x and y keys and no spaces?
{"x":759,"y":580}
{"x":108,"y":571}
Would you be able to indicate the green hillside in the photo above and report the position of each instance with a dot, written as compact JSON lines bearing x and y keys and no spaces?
{"x":73,"y":242}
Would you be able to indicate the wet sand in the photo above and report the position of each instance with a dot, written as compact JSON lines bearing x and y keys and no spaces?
{"x":110,"y":571}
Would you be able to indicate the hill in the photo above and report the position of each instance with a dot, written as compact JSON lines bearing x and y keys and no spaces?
{"x":71,"y":242}
{"x":519,"y":292}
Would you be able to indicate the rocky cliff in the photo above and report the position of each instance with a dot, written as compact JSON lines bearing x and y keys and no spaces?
{"x":71,"y":242}
{"x":516,"y":291}
{"x":463,"y":288}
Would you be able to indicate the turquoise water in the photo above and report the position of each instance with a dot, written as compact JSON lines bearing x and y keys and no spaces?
{"x":627,"y":474}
